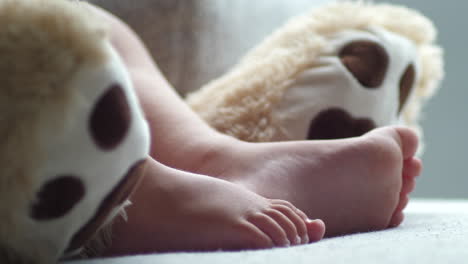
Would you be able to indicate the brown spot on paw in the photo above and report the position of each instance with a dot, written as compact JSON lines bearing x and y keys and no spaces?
{"x":110,"y":119}
{"x":115,"y":198}
{"x":367,"y":61}
{"x":336,"y":123}
{"x":406,"y":84}
{"x":57,"y":197}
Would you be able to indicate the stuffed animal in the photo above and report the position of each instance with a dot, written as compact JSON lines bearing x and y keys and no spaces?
{"x":336,"y":72}
{"x":73,"y":137}
{"x":74,"y":140}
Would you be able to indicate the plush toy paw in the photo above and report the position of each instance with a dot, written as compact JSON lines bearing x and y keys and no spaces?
{"x":337,"y":72}
{"x":74,"y":140}
{"x":361,"y":81}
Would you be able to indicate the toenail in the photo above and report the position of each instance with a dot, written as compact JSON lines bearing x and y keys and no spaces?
{"x":305,"y":239}
{"x":286,"y":243}
{"x":298,"y":240}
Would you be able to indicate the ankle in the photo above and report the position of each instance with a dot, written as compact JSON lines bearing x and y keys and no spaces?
{"x":198,"y":154}
{"x":210,"y":156}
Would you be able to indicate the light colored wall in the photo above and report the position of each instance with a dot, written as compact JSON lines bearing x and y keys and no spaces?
{"x":194,"y":41}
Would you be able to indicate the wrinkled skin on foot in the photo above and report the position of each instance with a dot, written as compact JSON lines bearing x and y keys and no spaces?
{"x":353,"y":185}
{"x":187,"y":212}
{"x":363,"y":78}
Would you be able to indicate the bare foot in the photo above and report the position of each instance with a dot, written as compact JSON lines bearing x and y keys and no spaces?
{"x":353,"y":185}
{"x":174,"y":210}
{"x":411,"y":169}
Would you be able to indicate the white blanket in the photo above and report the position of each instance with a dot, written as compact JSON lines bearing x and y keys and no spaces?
{"x":435,"y":231}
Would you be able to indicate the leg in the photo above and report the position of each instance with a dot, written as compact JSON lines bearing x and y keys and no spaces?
{"x":246,"y":163}
{"x":175,"y":210}
{"x":361,"y":78}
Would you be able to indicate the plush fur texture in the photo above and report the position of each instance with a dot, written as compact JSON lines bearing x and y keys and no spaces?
{"x":241,"y":102}
{"x":74,"y":139}
{"x":41,"y":50}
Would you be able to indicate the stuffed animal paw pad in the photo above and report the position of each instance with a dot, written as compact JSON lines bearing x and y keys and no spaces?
{"x":74,"y":139}
{"x":362,"y":82}
{"x":338,"y":71}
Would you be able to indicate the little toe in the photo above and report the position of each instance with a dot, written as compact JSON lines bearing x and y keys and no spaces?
{"x":271,"y":228}
{"x":300,"y":235}
{"x":411,"y":169}
{"x":397,"y":219}
{"x":398,"y":216}
{"x":315,"y":230}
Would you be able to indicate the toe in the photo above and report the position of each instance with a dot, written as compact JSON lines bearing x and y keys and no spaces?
{"x":300,"y":235}
{"x":271,"y":228}
{"x":408,"y":141}
{"x":397,"y":219}
{"x":286,"y":224}
{"x":408,"y":186}
{"x":292,"y":207}
{"x":412,"y":168}
{"x":315,"y":230}
{"x":404,"y":200}
{"x":398,"y":216}
{"x":404,"y":137}
{"x":254,"y":237}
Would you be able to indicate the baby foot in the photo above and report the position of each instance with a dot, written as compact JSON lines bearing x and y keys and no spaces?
{"x":174,"y":210}
{"x":353,"y":185}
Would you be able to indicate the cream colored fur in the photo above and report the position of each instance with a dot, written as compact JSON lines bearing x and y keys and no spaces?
{"x":41,"y":49}
{"x":241,"y":102}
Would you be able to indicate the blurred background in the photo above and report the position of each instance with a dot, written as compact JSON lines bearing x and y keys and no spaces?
{"x":195,"y":41}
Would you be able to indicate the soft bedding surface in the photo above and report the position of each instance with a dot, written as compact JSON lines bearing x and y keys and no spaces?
{"x":435,"y":231}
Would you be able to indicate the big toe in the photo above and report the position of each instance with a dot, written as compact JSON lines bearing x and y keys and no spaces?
{"x":315,"y":230}
{"x":406,"y":139}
